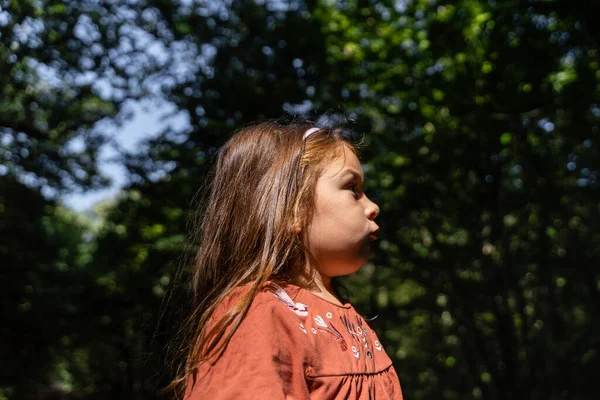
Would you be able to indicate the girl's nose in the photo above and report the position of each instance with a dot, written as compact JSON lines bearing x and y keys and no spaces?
{"x":371,"y":210}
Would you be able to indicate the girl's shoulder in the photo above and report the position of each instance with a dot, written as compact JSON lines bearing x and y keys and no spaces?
{"x":283,"y":297}
{"x":278,"y":303}
{"x":283,"y":307}
{"x":274,"y":299}
{"x":286,"y":297}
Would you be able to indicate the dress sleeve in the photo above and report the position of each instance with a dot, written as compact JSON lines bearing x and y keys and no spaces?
{"x":265,"y":358}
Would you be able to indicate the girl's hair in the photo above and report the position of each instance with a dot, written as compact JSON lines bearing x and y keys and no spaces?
{"x":261,"y":197}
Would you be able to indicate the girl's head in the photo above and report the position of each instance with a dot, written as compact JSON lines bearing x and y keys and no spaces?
{"x":342,"y":224}
{"x":283,"y":206}
{"x":257,"y":222}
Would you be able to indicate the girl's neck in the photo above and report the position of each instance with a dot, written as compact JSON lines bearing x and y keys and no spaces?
{"x":323,"y":288}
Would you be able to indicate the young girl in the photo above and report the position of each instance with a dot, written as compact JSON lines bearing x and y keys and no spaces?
{"x":286,"y":214}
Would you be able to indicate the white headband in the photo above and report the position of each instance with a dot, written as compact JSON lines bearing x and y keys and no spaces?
{"x":310,"y":132}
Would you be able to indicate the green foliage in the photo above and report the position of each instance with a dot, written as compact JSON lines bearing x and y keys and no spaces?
{"x":60,"y":74}
{"x":44,"y":253}
{"x":494,"y":139}
{"x":481,"y":125}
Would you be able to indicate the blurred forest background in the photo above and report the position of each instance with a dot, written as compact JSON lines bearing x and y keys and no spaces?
{"x":482,"y":132}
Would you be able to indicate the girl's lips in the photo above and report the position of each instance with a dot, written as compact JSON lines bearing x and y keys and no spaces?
{"x":373,"y":235}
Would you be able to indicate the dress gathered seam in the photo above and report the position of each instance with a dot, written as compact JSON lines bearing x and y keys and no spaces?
{"x":350,"y":373}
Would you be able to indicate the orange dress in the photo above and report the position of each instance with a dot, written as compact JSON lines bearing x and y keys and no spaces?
{"x":295,"y":345}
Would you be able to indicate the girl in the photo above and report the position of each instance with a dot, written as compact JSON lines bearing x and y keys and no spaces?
{"x":286,"y":214}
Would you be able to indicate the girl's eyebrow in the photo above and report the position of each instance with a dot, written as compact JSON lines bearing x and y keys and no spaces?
{"x":351,"y":171}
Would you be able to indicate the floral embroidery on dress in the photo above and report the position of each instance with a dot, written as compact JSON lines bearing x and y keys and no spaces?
{"x":302,"y":328}
{"x":350,"y":328}
{"x":361,"y":334}
{"x":355,"y":352}
{"x":361,"y":326}
{"x":331,"y":331}
{"x":358,"y":330}
{"x":319,"y":320}
{"x":298,"y":308}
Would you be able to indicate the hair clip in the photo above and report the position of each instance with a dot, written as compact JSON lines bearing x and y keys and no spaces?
{"x":310,"y":132}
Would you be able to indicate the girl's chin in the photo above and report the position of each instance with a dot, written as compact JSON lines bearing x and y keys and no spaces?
{"x":350,"y":268}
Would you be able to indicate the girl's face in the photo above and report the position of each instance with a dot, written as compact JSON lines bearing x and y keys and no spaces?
{"x":342,"y":226}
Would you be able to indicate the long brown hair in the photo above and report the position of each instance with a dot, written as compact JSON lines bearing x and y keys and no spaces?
{"x":261,"y":196}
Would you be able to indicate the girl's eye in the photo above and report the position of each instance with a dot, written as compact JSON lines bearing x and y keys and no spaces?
{"x":352,"y":188}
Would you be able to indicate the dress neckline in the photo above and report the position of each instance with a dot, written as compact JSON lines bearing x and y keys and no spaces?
{"x":298,"y":289}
